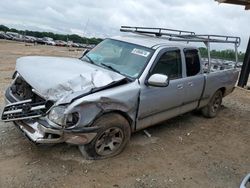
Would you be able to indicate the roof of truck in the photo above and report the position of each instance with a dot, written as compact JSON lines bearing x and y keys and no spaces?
{"x":150,"y":41}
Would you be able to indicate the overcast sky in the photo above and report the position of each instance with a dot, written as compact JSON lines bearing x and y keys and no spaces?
{"x":104,"y":18}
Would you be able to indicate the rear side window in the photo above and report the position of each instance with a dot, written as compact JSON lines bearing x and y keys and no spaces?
{"x":192,"y":62}
{"x":169,"y":64}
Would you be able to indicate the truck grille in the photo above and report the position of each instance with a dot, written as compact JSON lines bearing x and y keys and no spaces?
{"x":29,"y":104}
{"x":23,"y":110}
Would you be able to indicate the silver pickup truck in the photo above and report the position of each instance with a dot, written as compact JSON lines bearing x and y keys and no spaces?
{"x":123,"y":85}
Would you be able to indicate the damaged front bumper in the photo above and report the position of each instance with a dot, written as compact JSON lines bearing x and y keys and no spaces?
{"x":38,"y":133}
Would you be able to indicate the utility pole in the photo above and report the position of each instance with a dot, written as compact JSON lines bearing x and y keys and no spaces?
{"x":245,"y":70}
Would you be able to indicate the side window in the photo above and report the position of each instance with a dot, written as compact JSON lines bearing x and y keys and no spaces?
{"x":169,"y":64}
{"x":192,"y":62}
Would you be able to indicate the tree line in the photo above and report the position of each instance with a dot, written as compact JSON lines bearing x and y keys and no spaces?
{"x":72,"y":37}
{"x":222,"y":54}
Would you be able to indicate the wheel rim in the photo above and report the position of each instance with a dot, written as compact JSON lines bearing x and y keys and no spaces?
{"x":216,"y":103}
{"x":109,"y":141}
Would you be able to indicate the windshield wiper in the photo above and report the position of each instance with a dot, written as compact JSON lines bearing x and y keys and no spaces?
{"x":111,"y":68}
{"x":89,"y":59}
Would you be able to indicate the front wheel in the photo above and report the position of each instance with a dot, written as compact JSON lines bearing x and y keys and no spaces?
{"x":214,"y":105}
{"x":110,"y":140}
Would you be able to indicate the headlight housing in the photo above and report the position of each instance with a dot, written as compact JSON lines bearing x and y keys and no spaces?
{"x":57,"y":115}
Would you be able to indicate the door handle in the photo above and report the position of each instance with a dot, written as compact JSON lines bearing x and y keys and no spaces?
{"x":190,"y":84}
{"x":180,"y":86}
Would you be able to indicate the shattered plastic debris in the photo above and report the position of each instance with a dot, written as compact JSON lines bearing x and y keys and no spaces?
{"x":147,"y":133}
{"x":180,"y":138}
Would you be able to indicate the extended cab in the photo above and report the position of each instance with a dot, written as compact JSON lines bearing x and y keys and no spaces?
{"x":124,"y":84}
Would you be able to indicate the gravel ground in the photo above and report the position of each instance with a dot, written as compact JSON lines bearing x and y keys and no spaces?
{"x":187,"y":151}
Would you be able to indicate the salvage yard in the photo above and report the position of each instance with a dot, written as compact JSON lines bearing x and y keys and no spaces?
{"x":187,"y":151}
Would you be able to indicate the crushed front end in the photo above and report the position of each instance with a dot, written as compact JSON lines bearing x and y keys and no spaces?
{"x":29,"y":112}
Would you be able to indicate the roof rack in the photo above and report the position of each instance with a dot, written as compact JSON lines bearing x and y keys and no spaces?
{"x":186,"y":36}
{"x":181,"y":35}
{"x":156,"y":31}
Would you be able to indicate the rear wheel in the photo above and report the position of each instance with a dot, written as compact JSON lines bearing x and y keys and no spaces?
{"x":112,"y":138}
{"x":213,"y":107}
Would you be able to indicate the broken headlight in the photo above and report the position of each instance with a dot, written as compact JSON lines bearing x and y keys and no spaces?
{"x":57,"y":115}
{"x":72,"y":119}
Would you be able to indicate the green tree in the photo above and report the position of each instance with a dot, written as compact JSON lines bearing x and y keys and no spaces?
{"x":221,"y":54}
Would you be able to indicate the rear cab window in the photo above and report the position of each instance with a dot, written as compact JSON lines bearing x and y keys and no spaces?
{"x":193,"y":66}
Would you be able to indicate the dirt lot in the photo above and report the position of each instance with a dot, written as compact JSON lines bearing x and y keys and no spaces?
{"x":188,"y":151}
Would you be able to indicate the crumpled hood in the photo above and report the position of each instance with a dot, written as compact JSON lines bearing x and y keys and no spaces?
{"x":55,"y":78}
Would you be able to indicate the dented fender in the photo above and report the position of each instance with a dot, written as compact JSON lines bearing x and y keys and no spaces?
{"x":123,"y":99}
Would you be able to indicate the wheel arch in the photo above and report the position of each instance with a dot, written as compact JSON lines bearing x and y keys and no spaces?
{"x":123,"y":114}
{"x":223,"y":90}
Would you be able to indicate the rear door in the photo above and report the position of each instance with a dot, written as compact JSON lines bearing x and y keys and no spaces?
{"x":193,"y":81}
{"x":160,"y":103}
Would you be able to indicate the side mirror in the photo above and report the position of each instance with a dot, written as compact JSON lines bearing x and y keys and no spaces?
{"x":85,"y":52}
{"x":158,"y":80}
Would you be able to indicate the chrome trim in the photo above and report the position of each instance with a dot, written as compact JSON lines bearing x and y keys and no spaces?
{"x":12,"y":111}
{"x":38,"y":133}
{"x":38,"y":107}
{"x":18,"y":102}
{"x":23,"y":118}
{"x":20,"y":109}
{"x":36,"y":92}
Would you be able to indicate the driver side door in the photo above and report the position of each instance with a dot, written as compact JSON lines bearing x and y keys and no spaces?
{"x":160,"y":103}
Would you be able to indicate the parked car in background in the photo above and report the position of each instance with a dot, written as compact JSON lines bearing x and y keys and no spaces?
{"x":239,"y":65}
{"x":60,"y":43}
{"x":2,"y":35}
{"x":14,"y":35}
{"x":81,"y":45}
{"x":75,"y":45}
{"x":40,"y":41}
{"x":49,"y":41}
{"x":72,"y":44}
{"x":19,"y":38}
{"x":30,"y":39}
{"x":45,"y":40}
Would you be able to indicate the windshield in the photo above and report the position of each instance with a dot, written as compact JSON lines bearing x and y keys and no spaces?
{"x":122,"y":57}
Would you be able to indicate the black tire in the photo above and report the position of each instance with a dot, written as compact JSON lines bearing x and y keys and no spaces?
{"x":110,"y":140}
{"x":214,"y":105}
